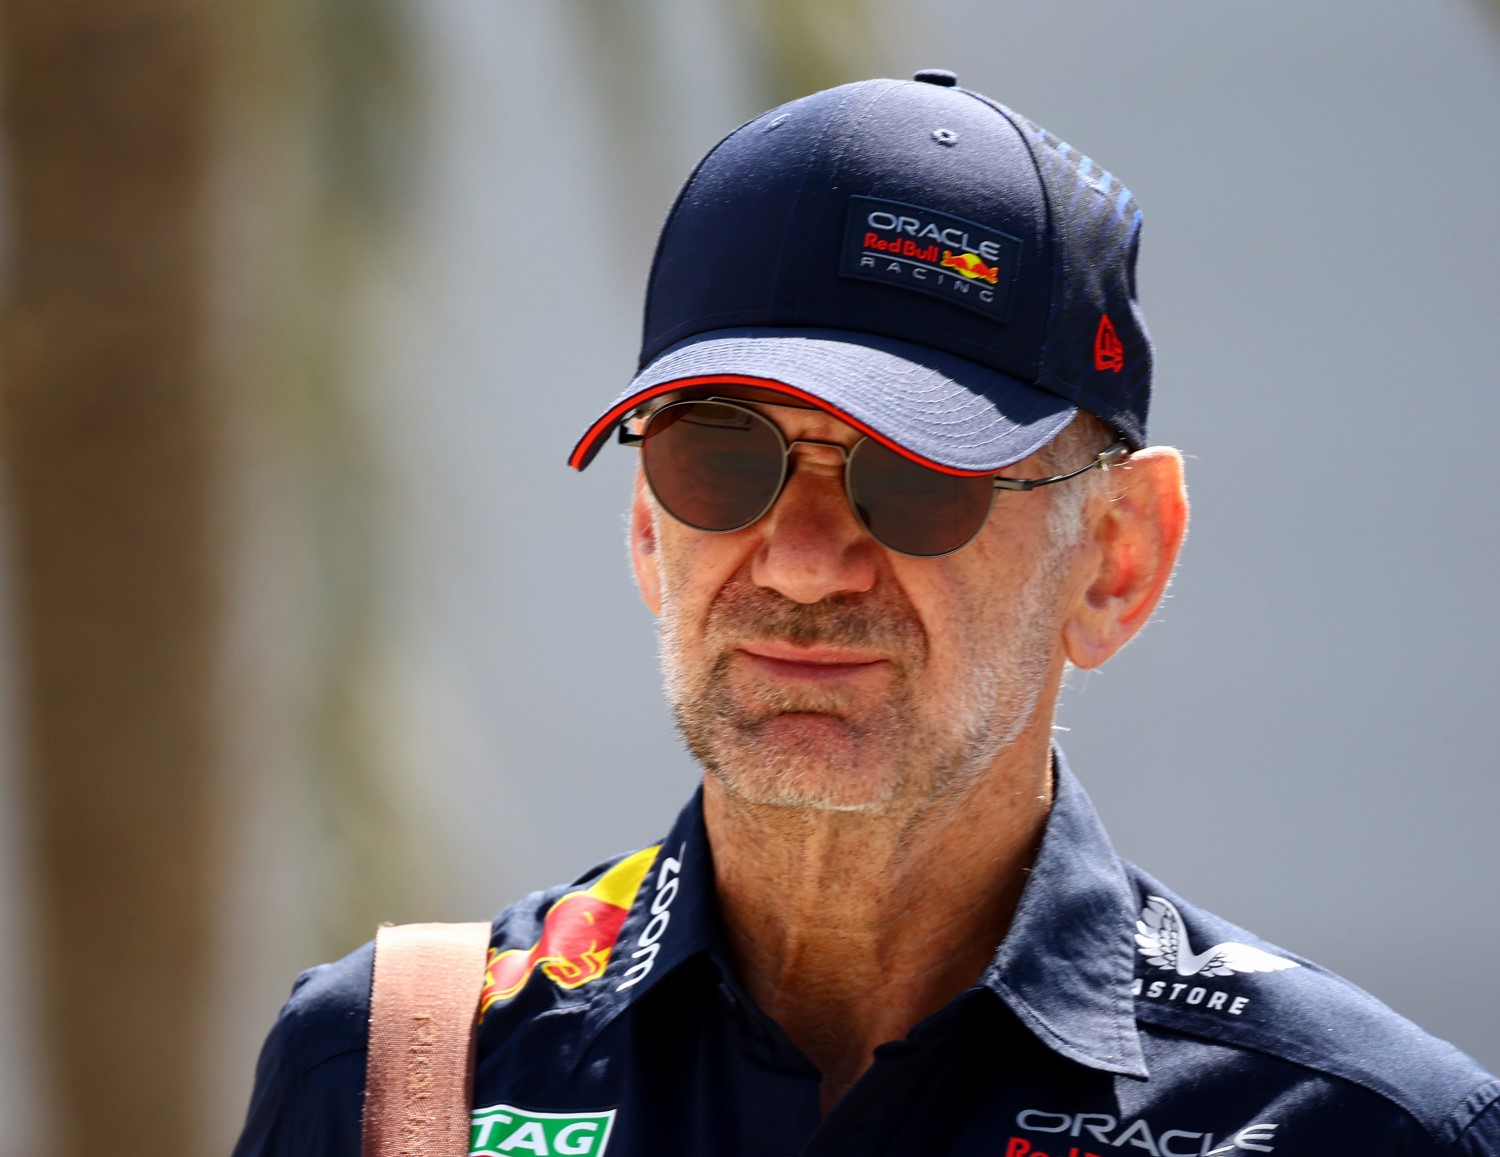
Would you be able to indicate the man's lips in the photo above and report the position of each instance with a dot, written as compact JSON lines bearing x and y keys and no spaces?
{"x":818,"y":664}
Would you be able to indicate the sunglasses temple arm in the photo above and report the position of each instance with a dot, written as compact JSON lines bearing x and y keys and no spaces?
{"x":1104,"y":461}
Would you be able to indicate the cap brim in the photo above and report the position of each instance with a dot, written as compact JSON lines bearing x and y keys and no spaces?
{"x":945,"y":411}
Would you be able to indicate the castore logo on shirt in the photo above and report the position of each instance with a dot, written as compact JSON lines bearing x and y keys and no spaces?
{"x":1162,"y":939}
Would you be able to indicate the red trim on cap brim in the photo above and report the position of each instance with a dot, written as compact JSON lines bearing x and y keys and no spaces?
{"x":588,"y":445}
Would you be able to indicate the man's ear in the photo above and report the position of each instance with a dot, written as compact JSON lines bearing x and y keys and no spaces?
{"x":1134,"y":540}
{"x":643,"y":556}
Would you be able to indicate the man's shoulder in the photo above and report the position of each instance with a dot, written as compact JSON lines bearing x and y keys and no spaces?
{"x":310,"y":1075}
{"x":565,"y":933}
{"x":1201,"y":976}
{"x":326,"y":1014}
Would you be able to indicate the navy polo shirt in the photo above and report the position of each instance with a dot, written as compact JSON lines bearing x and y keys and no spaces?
{"x":1115,"y":1019}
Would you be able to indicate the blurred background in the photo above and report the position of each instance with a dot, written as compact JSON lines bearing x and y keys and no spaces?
{"x":305,"y":625}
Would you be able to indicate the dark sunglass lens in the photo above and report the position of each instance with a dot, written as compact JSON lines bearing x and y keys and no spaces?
{"x":911,"y":508}
{"x":712,"y":466}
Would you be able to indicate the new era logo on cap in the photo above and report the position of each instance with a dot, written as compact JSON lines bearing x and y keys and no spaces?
{"x":1109,"y":354}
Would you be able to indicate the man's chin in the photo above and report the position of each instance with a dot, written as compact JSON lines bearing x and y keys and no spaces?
{"x":801,"y":793}
{"x":804,"y":760}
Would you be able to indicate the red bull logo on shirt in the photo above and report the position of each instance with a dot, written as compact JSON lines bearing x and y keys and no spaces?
{"x":578,"y":935}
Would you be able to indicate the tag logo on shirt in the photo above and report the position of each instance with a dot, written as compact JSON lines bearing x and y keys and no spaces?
{"x":947,"y":257}
{"x":1162,"y":940}
{"x":504,"y":1130}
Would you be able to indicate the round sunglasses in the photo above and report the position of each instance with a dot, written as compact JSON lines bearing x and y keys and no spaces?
{"x":719,"y":466}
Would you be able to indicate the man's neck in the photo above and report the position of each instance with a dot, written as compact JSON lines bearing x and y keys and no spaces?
{"x":848,"y":929}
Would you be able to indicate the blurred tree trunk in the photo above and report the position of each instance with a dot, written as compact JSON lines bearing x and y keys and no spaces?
{"x":794,"y":47}
{"x":806,"y":47}
{"x":322,"y":143}
{"x":106,"y":432}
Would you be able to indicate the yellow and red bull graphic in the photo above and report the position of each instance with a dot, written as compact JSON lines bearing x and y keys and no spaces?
{"x":578,"y":935}
{"x":969,"y":265}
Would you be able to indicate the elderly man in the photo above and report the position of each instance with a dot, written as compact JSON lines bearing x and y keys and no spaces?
{"x":894,"y":479}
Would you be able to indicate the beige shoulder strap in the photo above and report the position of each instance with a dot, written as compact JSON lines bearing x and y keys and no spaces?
{"x":419,"y":1070}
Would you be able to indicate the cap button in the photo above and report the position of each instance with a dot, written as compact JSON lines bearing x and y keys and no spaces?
{"x":939,"y":76}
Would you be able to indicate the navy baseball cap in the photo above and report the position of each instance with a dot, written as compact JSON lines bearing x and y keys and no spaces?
{"x":915,"y":258}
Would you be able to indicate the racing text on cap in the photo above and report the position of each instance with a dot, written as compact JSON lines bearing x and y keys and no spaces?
{"x":930,"y":252}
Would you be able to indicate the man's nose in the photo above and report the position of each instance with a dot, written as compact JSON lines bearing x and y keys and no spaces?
{"x":812,"y":546}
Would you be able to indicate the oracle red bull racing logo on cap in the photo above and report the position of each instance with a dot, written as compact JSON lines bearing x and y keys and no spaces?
{"x":578,"y":935}
{"x":956,"y":260}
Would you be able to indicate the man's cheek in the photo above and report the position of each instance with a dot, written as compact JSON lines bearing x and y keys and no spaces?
{"x":685,"y":655}
{"x":689,"y":580}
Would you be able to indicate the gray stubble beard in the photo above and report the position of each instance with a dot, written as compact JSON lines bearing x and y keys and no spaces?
{"x":928,"y":764}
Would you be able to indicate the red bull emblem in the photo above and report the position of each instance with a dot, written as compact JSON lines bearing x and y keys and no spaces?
{"x":969,"y":265}
{"x":578,"y":934}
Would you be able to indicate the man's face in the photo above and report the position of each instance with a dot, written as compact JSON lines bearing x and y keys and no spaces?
{"x":808,"y":666}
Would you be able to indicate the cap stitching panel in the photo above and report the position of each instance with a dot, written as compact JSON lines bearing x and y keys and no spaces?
{"x":1066,"y":265}
{"x":1050,"y":239}
{"x":834,"y":169}
{"x":1089,"y":392}
{"x":781,"y":306}
{"x":651,"y":278}
{"x":696,"y":324}
{"x":1063,"y":163}
{"x":1477,"y":1104}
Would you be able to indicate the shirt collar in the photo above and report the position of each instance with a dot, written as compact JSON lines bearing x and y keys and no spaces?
{"x":1065,"y":968}
{"x":673,"y":918}
{"x":1067,"y":964}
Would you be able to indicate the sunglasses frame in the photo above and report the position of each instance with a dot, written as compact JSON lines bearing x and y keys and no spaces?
{"x":1111,"y":456}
